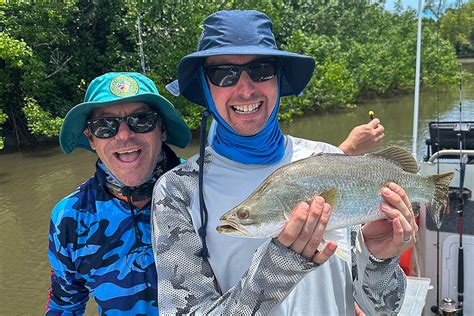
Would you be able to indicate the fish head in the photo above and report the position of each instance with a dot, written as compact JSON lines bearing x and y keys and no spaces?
{"x":242,"y":222}
{"x":256,"y":217}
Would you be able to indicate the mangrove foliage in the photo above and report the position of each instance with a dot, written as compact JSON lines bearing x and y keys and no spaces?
{"x":50,"y":51}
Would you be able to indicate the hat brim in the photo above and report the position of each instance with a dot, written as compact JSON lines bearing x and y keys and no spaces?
{"x":297,"y":70}
{"x":72,"y":136}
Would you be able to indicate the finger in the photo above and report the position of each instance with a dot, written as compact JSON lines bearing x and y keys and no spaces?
{"x":314,"y":216}
{"x":399,"y":190}
{"x":379,"y":138}
{"x":295,"y":224}
{"x":410,"y":216}
{"x":374,"y":123}
{"x":379,"y":130}
{"x":318,"y":234}
{"x":359,"y":312}
{"x":398,"y":232}
{"x":407,"y":239}
{"x":322,"y":256}
{"x":393,"y":213}
{"x":397,"y":197}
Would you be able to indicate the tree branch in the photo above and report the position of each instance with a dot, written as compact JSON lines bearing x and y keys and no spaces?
{"x":58,"y":69}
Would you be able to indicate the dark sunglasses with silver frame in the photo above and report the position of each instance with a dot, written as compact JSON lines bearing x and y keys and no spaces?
{"x":227,"y":75}
{"x":140,"y":122}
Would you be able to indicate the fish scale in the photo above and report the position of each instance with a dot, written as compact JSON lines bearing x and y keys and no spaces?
{"x":350,"y":184}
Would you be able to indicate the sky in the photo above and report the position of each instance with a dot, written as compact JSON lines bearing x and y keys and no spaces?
{"x":390,"y":4}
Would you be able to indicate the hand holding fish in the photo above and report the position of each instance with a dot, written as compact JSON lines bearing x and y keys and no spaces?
{"x":305,"y":229}
{"x":389,"y":238}
{"x":363,"y":138}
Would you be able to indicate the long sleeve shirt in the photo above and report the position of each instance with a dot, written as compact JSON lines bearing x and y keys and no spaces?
{"x":255,"y":276}
{"x":100,"y":245}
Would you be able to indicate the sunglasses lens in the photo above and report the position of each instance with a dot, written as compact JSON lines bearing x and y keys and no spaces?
{"x":262,"y":71}
{"x":143,"y":122}
{"x":104,"y":127}
{"x":223,"y":76}
{"x":228,"y":75}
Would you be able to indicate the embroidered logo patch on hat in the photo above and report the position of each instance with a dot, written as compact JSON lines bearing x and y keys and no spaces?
{"x":124,"y":86}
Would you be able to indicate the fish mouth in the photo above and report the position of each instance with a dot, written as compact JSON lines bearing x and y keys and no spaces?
{"x":231,"y":228}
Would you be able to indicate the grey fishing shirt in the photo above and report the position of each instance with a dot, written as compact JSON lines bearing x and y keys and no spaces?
{"x":247,"y":276}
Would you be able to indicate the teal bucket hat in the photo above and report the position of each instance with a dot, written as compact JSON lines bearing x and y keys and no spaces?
{"x":117,"y":87}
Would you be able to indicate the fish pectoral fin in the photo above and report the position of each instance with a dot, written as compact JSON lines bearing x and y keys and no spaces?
{"x":343,"y":250}
{"x":330,"y":196}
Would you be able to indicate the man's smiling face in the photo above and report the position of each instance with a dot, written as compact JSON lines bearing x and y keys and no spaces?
{"x":128,"y":155}
{"x":247,"y":105}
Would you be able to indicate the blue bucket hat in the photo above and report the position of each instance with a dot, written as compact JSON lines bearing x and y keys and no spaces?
{"x":239,"y":33}
{"x":117,"y":87}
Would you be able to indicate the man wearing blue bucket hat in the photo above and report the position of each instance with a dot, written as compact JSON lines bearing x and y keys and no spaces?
{"x":99,"y":240}
{"x":238,"y":74}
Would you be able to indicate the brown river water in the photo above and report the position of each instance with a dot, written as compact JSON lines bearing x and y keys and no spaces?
{"x":32,"y":181}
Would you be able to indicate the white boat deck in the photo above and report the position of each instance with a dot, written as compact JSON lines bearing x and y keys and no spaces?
{"x":415,"y":296}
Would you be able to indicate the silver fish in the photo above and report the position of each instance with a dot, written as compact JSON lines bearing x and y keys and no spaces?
{"x":350,"y":184}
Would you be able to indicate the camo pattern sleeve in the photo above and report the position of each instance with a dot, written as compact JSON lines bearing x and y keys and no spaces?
{"x":68,"y":292}
{"x":186,"y":282}
{"x":97,"y":248}
{"x":379,"y":285}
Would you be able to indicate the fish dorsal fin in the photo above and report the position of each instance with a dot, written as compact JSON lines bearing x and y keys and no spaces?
{"x":400,"y":156}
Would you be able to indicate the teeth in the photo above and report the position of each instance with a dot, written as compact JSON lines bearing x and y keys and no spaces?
{"x":127,"y":152}
{"x":246,"y":108}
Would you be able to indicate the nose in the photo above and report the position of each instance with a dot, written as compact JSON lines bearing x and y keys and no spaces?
{"x":245,"y":85}
{"x":123,"y":132}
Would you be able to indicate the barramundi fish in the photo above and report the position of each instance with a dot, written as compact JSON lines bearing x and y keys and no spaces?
{"x":350,"y":184}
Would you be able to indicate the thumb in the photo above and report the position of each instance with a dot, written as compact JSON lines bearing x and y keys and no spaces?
{"x":374,"y":123}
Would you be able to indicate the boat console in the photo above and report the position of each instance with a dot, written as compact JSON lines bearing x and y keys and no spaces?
{"x":449,"y":136}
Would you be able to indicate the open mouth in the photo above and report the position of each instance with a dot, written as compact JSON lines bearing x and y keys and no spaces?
{"x":128,"y":155}
{"x":226,"y":229}
{"x":231,"y":228}
{"x":247,"y":109}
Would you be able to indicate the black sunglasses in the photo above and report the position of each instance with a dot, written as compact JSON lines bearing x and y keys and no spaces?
{"x":141,"y":122}
{"x":228,"y":75}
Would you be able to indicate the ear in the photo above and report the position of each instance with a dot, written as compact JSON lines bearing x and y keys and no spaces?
{"x":164,"y":135}
{"x":88,"y":134}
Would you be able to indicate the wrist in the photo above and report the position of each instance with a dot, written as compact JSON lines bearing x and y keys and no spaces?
{"x":346,"y":148}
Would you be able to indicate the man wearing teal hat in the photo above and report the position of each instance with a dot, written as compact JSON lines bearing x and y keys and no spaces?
{"x":99,"y":240}
{"x":238,"y":75}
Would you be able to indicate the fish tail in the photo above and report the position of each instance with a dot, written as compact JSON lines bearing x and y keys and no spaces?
{"x":440,"y":197}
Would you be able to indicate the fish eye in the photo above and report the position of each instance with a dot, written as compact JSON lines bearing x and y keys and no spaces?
{"x":243,"y":214}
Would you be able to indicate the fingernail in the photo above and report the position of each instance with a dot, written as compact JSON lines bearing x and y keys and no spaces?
{"x":386,"y":191}
{"x":326,"y":208}
{"x":319,"y":202}
{"x":305,"y":206}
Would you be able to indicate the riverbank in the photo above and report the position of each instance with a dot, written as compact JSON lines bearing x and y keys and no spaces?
{"x":466,"y":60}
{"x":363,"y":98}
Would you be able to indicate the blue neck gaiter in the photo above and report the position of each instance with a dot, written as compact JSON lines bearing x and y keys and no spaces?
{"x":264,"y":148}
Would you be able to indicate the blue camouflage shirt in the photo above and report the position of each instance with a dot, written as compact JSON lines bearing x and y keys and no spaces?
{"x":101,"y":246}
